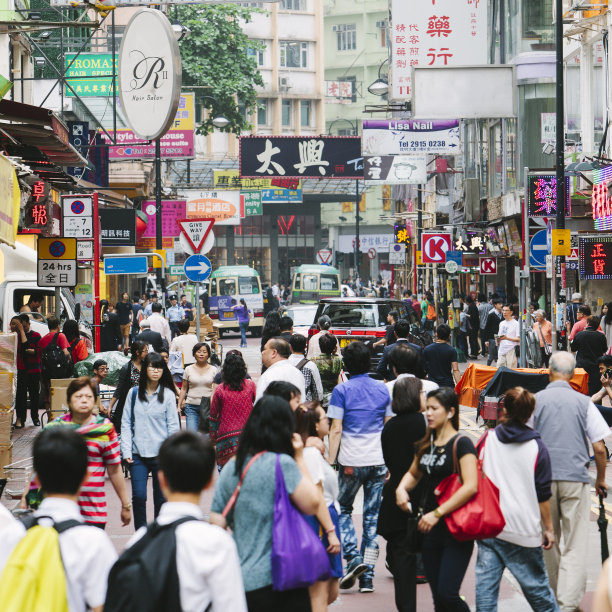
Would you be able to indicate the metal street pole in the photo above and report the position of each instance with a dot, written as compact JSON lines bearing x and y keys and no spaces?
{"x":158,"y":203}
{"x":524,"y":277}
{"x":198,"y":310}
{"x":560,"y":158}
{"x":357,"y":246}
{"x":419,"y":233}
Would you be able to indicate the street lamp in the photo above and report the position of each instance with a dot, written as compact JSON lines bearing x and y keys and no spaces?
{"x":380,"y":86}
{"x":357,"y":252}
{"x":220,"y":121}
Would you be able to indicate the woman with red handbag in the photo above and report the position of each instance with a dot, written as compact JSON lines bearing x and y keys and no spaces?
{"x":517,"y":462}
{"x":445,"y":558}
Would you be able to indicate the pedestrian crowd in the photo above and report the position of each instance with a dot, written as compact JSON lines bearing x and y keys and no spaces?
{"x":293,"y":450}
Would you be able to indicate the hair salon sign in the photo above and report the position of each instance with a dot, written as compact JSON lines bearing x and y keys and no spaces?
{"x":149,"y":74}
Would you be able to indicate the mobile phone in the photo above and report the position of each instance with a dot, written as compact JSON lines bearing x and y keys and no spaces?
{"x":608,"y":373}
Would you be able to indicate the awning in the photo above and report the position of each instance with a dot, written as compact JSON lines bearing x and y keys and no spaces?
{"x":39,"y":138}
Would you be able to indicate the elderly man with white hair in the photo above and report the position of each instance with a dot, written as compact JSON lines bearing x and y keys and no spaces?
{"x":567,"y":422}
{"x":543,"y":331}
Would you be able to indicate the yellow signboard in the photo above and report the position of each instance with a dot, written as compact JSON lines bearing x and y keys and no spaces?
{"x":561,"y":243}
{"x":57,"y":248}
{"x":184,"y":119}
{"x":231,"y":179}
{"x":419,"y":258}
{"x":9,"y":211}
{"x":156,"y":262}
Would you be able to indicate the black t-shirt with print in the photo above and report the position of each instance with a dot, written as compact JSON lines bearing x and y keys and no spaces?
{"x":437,"y":463}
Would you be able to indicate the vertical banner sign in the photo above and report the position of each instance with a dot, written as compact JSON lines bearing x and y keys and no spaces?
{"x":252,"y":203}
{"x":440,"y":33}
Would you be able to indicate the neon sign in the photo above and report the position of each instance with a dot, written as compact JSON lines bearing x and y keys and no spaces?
{"x":595,"y":258}
{"x":601,"y":200}
{"x":543,"y":195}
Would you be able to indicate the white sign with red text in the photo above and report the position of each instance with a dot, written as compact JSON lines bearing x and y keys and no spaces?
{"x":435,"y":33}
{"x":435,"y":246}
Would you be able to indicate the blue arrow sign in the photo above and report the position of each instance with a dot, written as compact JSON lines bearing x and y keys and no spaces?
{"x":538,"y":250}
{"x":126,"y":265}
{"x":198,"y":268}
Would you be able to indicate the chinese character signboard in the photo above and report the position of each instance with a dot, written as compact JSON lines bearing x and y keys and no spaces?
{"x":171,"y":211}
{"x":595,"y":254}
{"x":435,"y":33}
{"x":378,"y":242}
{"x":82,"y":67}
{"x":176,"y":143}
{"x":301,"y":157}
{"x":474,"y":243}
{"x":396,"y":136}
{"x":37,"y":213}
{"x":543,"y":195}
{"x":274,"y":190}
{"x":252,"y":203}
{"x":395,"y":169}
{"x":118,"y":226}
{"x":223,"y":206}
{"x":601,"y":199}
{"x":401,"y":235}
{"x":338,"y":92}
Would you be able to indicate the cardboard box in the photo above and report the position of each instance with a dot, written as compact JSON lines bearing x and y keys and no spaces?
{"x":6,"y":421}
{"x":6,"y":457}
{"x":6,"y":390}
{"x":59,"y":401}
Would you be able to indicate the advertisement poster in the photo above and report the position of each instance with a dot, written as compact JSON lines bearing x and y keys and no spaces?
{"x":84,"y":297}
{"x":273,"y":190}
{"x":395,"y":169}
{"x":222,"y":206}
{"x":171,"y":211}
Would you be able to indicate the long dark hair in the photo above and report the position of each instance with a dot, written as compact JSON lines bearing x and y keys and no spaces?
{"x":71,"y":330}
{"x":407,"y":395}
{"x":269,"y":427}
{"x":234,"y":371}
{"x":271,"y":326}
{"x":608,"y":316}
{"x":165,"y":382}
{"x":448,"y":398}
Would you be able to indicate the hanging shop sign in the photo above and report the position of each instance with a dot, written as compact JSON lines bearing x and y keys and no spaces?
{"x":473,"y":243}
{"x":595,"y":255}
{"x":395,"y":169}
{"x":89,"y":74}
{"x":222,"y":206}
{"x":401,"y":235}
{"x":171,"y":211}
{"x":10,"y":201}
{"x":273,"y":191}
{"x":542,"y":189}
{"x":149,"y":74}
{"x":435,"y":246}
{"x":442,"y":33}
{"x":118,"y":226}
{"x":397,"y":136}
{"x":601,"y":199}
{"x":251,"y":202}
{"x":37,"y":214}
{"x":335,"y":157}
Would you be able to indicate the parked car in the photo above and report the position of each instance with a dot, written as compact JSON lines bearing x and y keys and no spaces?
{"x":365,"y":319}
{"x":303,"y":316}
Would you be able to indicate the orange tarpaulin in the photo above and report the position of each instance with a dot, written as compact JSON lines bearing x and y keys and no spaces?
{"x":476,"y":378}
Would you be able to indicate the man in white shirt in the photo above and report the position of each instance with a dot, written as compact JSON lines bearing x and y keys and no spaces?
{"x":159,"y":324}
{"x":508,"y":337}
{"x":275,"y":356}
{"x":206,"y":557}
{"x":60,"y":463}
{"x":312,"y":378}
{"x":184,"y":343}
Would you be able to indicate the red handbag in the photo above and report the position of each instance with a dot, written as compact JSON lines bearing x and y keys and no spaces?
{"x":479,"y":518}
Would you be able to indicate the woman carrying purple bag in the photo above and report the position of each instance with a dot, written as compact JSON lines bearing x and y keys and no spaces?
{"x":267,"y":434}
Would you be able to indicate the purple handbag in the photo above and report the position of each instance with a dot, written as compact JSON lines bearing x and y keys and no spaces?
{"x":298,"y":558}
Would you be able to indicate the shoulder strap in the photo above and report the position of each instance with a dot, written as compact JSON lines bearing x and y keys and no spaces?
{"x":480,"y":445}
{"x":134,"y":391}
{"x":455,"y":460}
{"x":60,"y":526}
{"x":302,"y":363}
{"x":232,"y":500}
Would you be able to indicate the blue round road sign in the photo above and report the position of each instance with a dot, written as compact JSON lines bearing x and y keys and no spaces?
{"x":538,"y":250}
{"x":57,"y":248}
{"x":197,"y":268}
{"x":77,"y":207}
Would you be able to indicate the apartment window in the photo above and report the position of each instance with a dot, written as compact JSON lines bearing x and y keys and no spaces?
{"x":293,"y":54}
{"x":538,"y":19}
{"x":293,"y":5}
{"x":119,"y":31}
{"x":262,"y":112}
{"x":346,"y":35}
{"x":305,"y":113}
{"x":286,"y":113}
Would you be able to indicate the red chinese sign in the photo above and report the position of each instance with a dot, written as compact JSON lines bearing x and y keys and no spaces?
{"x":595,"y":258}
{"x":435,"y":33}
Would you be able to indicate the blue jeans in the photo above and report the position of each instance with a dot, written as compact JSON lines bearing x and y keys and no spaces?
{"x":244,"y":326}
{"x":526,"y":565}
{"x":192,"y":416}
{"x":372,"y":479}
{"x":139,"y":472}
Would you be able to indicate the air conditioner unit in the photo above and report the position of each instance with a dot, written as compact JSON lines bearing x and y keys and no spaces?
{"x":335,"y":28}
{"x":284,"y":84}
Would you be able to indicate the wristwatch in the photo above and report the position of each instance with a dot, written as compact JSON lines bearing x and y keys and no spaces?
{"x":437,"y":513}
{"x":127,"y":506}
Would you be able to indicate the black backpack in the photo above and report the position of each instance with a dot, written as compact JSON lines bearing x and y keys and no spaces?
{"x":55,"y":363}
{"x":145,"y":577}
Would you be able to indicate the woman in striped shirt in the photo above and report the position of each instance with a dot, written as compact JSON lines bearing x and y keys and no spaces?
{"x":103,"y":451}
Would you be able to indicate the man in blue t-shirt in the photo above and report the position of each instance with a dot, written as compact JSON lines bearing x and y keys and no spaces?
{"x":359,"y":409}
{"x":441,"y":359}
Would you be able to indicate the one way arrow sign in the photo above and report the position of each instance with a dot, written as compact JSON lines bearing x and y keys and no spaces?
{"x":488,"y":265}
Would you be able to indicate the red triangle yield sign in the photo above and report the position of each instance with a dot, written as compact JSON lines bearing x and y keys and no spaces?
{"x":196,"y":231}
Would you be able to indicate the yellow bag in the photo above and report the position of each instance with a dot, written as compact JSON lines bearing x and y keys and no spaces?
{"x":33,"y":578}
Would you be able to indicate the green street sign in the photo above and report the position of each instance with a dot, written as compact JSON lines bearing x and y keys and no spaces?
{"x":85,"y":66}
{"x":176,"y":270}
{"x":252,"y":203}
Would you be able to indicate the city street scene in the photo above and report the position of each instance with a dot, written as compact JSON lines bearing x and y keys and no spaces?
{"x":305,"y":305}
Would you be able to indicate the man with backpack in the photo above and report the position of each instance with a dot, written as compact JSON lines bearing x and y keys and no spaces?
{"x":180,"y":562}
{"x":53,"y":561}
{"x":55,"y":358}
{"x":312,"y":377}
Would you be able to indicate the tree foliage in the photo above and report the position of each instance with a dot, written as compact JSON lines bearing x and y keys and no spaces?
{"x":216,"y":55}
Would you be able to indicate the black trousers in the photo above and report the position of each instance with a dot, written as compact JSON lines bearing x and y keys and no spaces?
{"x":267,"y":600}
{"x":403,"y":565}
{"x":27,"y":383}
{"x":474,"y":347}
